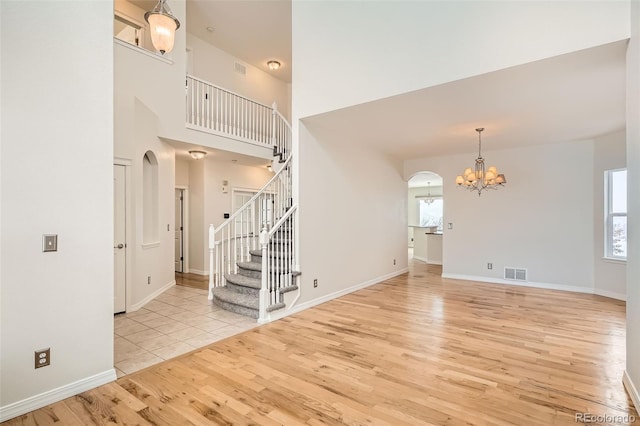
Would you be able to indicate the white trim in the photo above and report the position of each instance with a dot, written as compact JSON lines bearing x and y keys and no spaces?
{"x":135,"y":306}
{"x":185,"y":228}
{"x":311,"y":303}
{"x":119,"y":161}
{"x":619,"y":261}
{"x":143,"y":51}
{"x":548,"y":286}
{"x":610,"y":294}
{"x":42,"y":400}
{"x":631,"y":390}
{"x":420,"y":258}
{"x":198,"y":272}
{"x":147,"y":246}
{"x":434,"y":262}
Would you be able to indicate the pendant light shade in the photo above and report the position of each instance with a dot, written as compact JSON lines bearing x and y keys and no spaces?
{"x":162,"y":26}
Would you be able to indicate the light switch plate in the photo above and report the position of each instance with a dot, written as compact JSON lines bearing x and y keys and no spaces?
{"x":50,"y":242}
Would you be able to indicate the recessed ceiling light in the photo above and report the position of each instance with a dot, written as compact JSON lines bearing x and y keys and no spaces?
{"x":211,"y":29}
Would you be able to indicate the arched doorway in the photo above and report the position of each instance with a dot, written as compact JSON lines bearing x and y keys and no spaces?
{"x":425,"y":213}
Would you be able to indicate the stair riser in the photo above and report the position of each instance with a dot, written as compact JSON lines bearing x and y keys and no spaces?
{"x":252,"y":313}
{"x":242,"y":289}
{"x":258,"y":258}
{"x":249,"y":273}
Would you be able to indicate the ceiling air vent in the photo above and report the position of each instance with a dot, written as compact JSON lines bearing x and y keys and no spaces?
{"x":240,"y":69}
{"x":516,"y":274}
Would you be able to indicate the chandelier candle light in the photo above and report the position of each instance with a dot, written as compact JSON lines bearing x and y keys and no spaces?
{"x":163,"y":26}
{"x":479,"y":179}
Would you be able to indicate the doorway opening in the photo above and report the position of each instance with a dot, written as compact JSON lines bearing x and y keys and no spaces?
{"x":425,"y":217}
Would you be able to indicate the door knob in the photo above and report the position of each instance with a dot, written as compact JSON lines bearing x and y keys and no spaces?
{"x":120,"y":246}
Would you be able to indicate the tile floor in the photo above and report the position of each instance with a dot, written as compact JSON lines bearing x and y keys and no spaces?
{"x":178,"y":321}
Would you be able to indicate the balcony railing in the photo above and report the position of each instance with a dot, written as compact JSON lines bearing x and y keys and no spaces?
{"x":215,"y":110}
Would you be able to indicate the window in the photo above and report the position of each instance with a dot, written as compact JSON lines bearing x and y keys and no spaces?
{"x":616,"y":214}
{"x":431,"y":212}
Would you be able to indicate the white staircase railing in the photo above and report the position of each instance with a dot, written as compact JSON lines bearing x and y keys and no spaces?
{"x":215,"y":110}
{"x":232,"y":241}
{"x":279,"y":265}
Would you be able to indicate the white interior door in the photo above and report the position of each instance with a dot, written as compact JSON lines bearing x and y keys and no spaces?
{"x":119,"y":240}
{"x":179,"y":230}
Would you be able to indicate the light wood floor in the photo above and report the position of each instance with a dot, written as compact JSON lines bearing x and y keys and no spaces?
{"x":192,"y":280}
{"x":413,"y":350}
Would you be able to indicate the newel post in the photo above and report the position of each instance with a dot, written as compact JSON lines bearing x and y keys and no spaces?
{"x":212,"y":271}
{"x":274,"y":109}
{"x":264,"y":290}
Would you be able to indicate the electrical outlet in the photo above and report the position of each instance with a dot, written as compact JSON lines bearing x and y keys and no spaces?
{"x":50,"y":242}
{"x":394,"y":261}
{"x":489,"y":265}
{"x":149,"y":279}
{"x":450,"y":225}
{"x":42,"y":358}
{"x":315,"y":283}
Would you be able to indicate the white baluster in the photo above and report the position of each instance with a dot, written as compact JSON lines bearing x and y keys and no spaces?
{"x":212,"y":244}
{"x":264,"y":292}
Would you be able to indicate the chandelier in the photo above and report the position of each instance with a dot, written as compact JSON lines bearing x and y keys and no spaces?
{"x":163,"y":26}
{"x":479,"y":179}
{"x":427,"y":199}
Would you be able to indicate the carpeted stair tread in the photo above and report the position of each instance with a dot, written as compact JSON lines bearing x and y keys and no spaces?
{"x":274,"y":253}
{"x":231,"y":297}
{"x":252,"y":266}
{"x":288,"y":289}
{"x":244,"y":281}
{"x":275,"y":307}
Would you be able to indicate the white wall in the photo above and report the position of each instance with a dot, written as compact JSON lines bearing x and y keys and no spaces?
{"x":217,"y":66}
{"x":182,"y":172}
{"x":539,"y":221}
{"x":346,"y":52}
{"x":197,"y":229}
{"x":207,"y":203}
{"x":152,"y":260}
{"x":633,"y":203}
{"x":57,"y":177}
{"x":609,"y":276}
{"x":240,"y":177}
{"x":353,"y":216}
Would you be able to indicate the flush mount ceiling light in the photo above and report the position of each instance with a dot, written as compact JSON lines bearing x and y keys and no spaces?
{"x":197,"y":155}
{"x":273,"y":65}
{"x":163,"y":26}
{"x":478,"y":179}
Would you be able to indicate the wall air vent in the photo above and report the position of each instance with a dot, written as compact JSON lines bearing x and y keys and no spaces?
{"x":515,"y":274}
{"x":240,"y":69}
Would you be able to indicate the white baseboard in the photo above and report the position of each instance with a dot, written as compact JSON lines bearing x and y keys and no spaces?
{"x":574,"y":289}
{"x":42,"y":400}
{"x":610,"y":294}
{"x":434,"y":262}
{"x":198,"y":272}
{"x":631,"y":390}
{"x":334,"y":295}
{"x":134,"y":307}
{"x":420,"y":258}
{"x":561,"y":287}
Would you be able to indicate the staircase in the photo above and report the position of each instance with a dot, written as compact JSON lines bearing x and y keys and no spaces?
{"x":253,"y":254}
{"x":241,"y":294}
